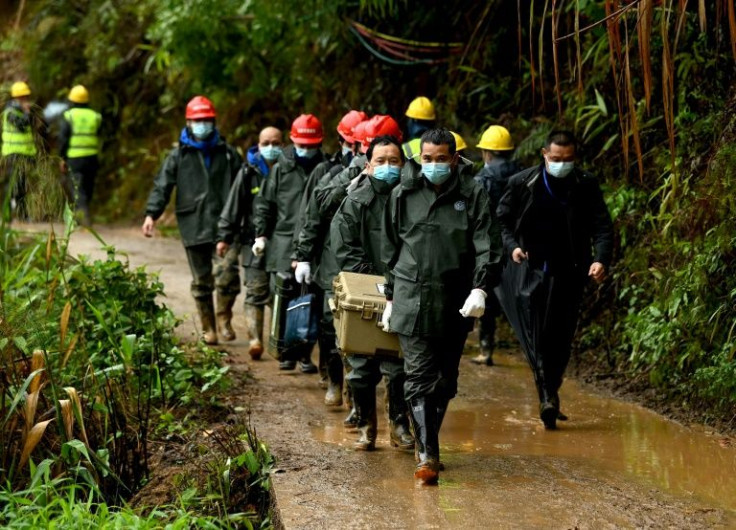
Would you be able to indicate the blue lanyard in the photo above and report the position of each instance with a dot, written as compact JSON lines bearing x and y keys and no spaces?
{"x":549,"y":190}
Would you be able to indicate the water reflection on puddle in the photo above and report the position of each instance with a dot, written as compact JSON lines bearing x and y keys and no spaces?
{"x":495,"y":416}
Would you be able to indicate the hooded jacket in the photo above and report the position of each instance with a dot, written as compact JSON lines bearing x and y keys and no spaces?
{"x":202,"y":173}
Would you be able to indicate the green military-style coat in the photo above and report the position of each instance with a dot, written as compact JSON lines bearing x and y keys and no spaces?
{"x":436,"y":249}
{"x":277,"y":209}
{"x":355,"y":233}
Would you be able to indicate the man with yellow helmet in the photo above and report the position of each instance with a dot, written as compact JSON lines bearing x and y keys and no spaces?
{"x":19,"y":149}
{"x":497,"y":147}
{"x":421,"y":117}
{"x":79,"y":145}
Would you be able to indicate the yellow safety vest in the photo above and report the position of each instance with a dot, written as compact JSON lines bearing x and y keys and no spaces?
{"x":412,"y":148}
{"x":15,"y":141}
{"x":84,"y":123}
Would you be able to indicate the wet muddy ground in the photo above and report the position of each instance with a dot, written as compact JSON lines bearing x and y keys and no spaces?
{"x":613,"y":465}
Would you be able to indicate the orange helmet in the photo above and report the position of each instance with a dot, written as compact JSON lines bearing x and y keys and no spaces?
{"x":350,"y":120}
{"x":200,"y":108}
{"x":307,"y":130}
{"x":359,"y":132}
{"x":382,"y":125}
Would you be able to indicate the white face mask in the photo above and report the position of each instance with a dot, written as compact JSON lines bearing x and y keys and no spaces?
{"x":560,"y":169}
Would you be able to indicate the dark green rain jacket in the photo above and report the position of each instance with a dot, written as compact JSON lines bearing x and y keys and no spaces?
{"x":436,"y":249}
{"x":201,"y":193}
{"x":277,"y":209}
{"x":355,"y":233}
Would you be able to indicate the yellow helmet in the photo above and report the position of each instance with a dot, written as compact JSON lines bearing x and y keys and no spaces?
{"x":19,"y":89}
{"x":79,"y":94}
{"x":421,"y":109}
{"x":459,"y":142}
{"x":496,"y":138}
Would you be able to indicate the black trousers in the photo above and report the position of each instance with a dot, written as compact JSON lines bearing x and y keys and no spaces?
{"x":81,"y":182}
{"x":432,"y":364}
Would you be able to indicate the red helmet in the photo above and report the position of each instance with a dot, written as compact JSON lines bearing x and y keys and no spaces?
{"x":307,"y":130}
{"x":359,"y":135}
{"x":350,"y":120}
{"x":200,"y":108}
{"x":382,"y":125}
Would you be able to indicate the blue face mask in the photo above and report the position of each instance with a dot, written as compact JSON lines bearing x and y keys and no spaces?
{"x":306,"y":152}
{"x":346,"y":150}
{"x":436,"y":172}
{"x":270,"y":152}
{"x":202,"y":129}
{"x":560,"y":169}
{"x":387,"y":173}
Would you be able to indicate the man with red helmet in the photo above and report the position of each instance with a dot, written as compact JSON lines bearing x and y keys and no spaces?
{"x":355,"y":234}
{"x":313,"y":245}
{"x":202,"y":168}
{"x":330,"y":364}
{"x":277,"y":207}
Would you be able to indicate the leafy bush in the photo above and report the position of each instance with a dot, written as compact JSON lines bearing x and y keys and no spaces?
{"x":87,"y":353}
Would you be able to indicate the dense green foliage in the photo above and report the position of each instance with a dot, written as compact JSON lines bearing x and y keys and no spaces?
{"x":91,"y":368}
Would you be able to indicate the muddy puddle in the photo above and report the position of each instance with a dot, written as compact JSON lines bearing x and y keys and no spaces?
{"x":496,"y":451}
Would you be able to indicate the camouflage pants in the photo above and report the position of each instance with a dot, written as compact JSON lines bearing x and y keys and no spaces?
{"x":210,"y":272}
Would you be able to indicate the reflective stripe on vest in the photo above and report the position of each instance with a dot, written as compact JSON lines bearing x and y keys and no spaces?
{"x":15,"y":141}
{"x":84,"y":124}
{"x":412,"y":148}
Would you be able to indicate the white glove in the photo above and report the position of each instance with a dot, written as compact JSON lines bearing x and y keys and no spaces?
{"x":259,"y":247}
{"x":386,"y":317}
{"x":475,"y":304}
{"x":303,"y":272}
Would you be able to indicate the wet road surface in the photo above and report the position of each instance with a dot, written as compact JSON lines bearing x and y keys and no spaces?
{"x":613,"y":465}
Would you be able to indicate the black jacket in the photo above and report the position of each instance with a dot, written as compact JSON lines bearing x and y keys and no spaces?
{"x":494,"y":177}
{"x":589,"y":225}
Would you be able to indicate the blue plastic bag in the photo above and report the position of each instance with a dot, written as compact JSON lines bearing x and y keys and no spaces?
{"x":302,"y":321}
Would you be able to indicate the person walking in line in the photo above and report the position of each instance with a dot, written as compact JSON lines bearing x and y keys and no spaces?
{"x":497,"y":147}
{"x":19,"y":149}
{"x":558,"y":233}
{"x":79,"y":148}
{"x":441,"y":258}
{"x":355,"y":234}
{"x":277,"y":207}
{"x":236,"y":227}
{"x":202,"y":169}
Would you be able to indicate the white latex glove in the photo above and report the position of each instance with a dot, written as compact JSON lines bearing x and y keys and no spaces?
{"x":386,"y":317}
{"x":303,"y":272}
{"x":259,"y":247}
{"x":475,"y":304}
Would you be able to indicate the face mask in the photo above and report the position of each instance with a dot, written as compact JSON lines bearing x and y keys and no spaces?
{"x":270,"y":152}
{"x":560,"y":169}
{"x":202,"y":129}
{"x":436,"y":173}
{"x":305,"y":152}
{"x":346,"y":150}
{"x":387,"y":173}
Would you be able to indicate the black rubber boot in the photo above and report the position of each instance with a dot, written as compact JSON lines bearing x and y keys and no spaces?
{"x":426,"y":439}
{"x":365,"y":406}
{"x":548,"y":411}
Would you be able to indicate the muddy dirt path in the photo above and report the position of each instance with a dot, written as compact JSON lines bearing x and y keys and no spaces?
{"x":613,"y":465}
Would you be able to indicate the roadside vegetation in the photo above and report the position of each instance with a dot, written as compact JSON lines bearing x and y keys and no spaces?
{"x":95,"y":388}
